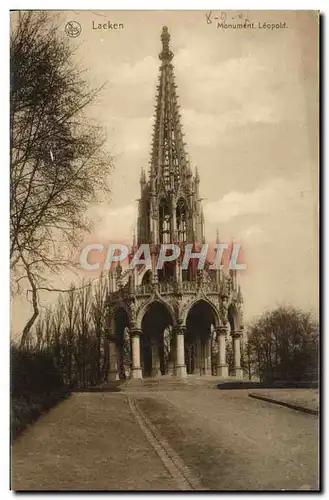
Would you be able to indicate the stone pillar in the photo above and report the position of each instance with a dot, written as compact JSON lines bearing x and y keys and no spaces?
{"x":113,"y":368}
{"x":136,"y":370}
{"x":195,"y":363}
{"x":222,"y":366}
{"x":237,"y":370}
{"x":119,"y":359}
{"x":189,"y":358}
{"x":155,"y":358}
{"x":180,"y":353}
{"x":198,"y":357}
{"x":172,"y":361}
{"x":207,"y":357}
{"x":202,"y":358}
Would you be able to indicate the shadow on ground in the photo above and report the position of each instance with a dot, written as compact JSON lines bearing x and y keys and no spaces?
{"x":109,"y":387}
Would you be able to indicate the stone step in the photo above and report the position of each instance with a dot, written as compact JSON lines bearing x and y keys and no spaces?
{"x":165,"y":383}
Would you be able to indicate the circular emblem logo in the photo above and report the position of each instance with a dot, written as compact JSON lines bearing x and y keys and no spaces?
{"x":73,"y":29}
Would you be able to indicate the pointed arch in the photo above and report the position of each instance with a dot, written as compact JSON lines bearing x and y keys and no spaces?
{"x":215,"y":312}
{"x":121,"y":307}
{"x":164,"y":220}
{"x":141,"y":313}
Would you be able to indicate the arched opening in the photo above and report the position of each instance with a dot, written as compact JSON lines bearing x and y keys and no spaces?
{"x":190,"y":274}
{"x":122,"y":340}
{"x":167,"y":272}
{"x":232,"y":318}
{"x":164,"y":220}
{"x":199,"y":339}
{"x":181,"y":220}
{"x":157,"y":325}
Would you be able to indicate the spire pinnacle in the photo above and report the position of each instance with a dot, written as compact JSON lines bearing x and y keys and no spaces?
{"x":166,"y":54}
{"x":217,"y":235}
{"x":142,"y":177}
{"x":197,"y":177}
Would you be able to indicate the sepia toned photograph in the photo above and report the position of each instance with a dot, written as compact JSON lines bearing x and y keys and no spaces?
{"x":164,"y":250}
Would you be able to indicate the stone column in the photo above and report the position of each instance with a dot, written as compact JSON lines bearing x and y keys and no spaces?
{"x":207,"y":357}
{"x":202,"y":358}
{"x":222,"y":366}
{"x":195,"y":363}
{"x":237,"y":370}
{"x":172,"y":362}
{"x":136,"y":370}
{"x":155,"y":358}
{"x":180,"y":353}
{"x":113,"y":367}
{"x":119,"y":358}
{"x":198,"y":357}
{"x":189,"y":358}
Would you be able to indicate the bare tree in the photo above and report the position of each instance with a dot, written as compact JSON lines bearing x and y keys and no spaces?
{"x":71,"y":314}
{"x":72,"y":333}
{"x":98,"y":315}
{"x":84,"y":304}
{"x":58,"y":164}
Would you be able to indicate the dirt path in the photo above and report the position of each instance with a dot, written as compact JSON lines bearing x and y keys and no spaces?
{"x":233,"y":442}
{"x":168,"y":440}
{"x":89,"y":442}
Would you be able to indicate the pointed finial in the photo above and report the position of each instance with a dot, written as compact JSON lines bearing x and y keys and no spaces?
{"x":197,"y":178}
{"x":134,"y":238}
{"x":217,"y":235}
{"x":166,"y":54}
{"x":142,"y":178}
{"x":240,"y":297}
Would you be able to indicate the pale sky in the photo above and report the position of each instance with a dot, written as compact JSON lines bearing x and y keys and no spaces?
{"x":249,"y":106}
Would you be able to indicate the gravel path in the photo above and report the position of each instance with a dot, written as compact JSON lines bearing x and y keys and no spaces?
{"x":231,"y":441}
{"x":89,"y":442}
{"x":168,"y":440}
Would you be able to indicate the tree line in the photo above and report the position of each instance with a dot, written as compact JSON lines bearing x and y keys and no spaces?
{"x":283,"y":345}
{"x":73,"y":334}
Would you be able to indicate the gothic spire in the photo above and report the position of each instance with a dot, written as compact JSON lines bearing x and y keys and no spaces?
{"x":168,"y":157}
